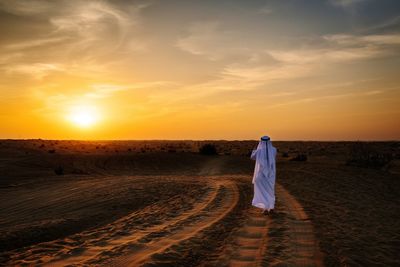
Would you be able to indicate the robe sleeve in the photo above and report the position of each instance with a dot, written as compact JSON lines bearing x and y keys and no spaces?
{"x":254,"y":154}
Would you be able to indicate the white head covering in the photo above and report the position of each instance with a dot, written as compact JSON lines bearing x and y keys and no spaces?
{"x":265,"y":159}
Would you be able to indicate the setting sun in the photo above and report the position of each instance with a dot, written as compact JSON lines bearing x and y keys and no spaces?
{"x":142,"y":71}
{"x":84,"y":116}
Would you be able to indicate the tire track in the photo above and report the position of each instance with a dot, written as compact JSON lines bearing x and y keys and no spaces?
{"x":188,"y":230}
{"x":117,"y":242}
{"x":303,"y":246}
{"x":250,"y":241}
{"x":285,"y":237}
{"x":140,"y":223}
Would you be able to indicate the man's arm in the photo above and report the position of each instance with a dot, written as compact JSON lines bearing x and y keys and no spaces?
{"x":254,"y":154}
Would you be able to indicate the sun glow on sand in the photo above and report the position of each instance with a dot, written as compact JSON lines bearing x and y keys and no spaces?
{"x":84,"y":116}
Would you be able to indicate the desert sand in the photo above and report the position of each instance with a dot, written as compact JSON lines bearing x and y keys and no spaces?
{"x":161,"y":203}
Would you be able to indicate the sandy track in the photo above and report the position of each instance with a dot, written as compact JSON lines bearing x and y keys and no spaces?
{"x":81,"y":244}
{"x":156,"y":235}
{"x":250,"y":241}
{"x":136,"y":238}
{"x":292,"y":238}
{"x":218,"y":207}
{"x":284,"y":238}
{"x":303,"y":243}
{"x":104,"y":248}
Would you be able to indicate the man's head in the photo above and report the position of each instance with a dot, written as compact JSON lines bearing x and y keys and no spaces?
{"x":265,"y":138}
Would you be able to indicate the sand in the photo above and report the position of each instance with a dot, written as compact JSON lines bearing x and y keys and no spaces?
{"x":162,"y":204}
{"x":356,"y":211}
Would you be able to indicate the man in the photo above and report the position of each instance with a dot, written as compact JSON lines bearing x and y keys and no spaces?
{"x":264,"y":175}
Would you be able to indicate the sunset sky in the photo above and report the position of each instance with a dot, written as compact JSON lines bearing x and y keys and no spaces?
{"x":295,"y":70}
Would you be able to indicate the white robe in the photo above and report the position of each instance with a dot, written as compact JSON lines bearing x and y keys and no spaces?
{"x":264,"y":175}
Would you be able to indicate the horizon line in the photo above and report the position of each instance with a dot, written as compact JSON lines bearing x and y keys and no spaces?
{"x":202,"y":140}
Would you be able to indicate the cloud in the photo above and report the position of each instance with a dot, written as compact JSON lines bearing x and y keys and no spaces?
{"x":36,"y":43}
{"x":96,"y":27}
{"x":292,"y":64}
{"x":363,"y":40}
{"x":202,"y":36}
{"x":265,"y":10}
{"x":389,"y":25}
{"x":75,"y":37}
{"x":37,"y":70}
{"x":256,"y":66}
{"x":345,"y":3}
{"x":210,"y":40}
{"x":265,"y":74}
{"x":296,"y":63}
{"x":25,"y":7}
{"x":103,"y":90}
{"x":341,"y":48}
{"x":310,"y":56}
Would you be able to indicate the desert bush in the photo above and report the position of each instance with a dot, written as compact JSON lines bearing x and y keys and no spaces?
{"x":285,"y":154}
{"x":51,"y":151}
{"x":363,"y":154}
{"x":299,"y":157}
{"x":59,"y":170}
{"x":208,"y":149}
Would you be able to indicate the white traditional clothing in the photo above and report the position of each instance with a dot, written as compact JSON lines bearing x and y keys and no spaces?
{"x":264,"y":174}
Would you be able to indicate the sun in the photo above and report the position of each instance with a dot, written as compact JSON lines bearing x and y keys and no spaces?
{"x":84,"y":116}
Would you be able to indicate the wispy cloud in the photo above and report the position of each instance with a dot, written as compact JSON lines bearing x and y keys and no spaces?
{"x":36,"y":43}
{"x":345,"y":3}
{"x":265,"y":10}
{"x":201,"y":38}
{"x":37,"y":70}
{"x":390,"y":24}
{"x":363,"y":40}
{"x":107,"y":90}
{"x":342,"y":47}
{"x":264,"y":74}
{"x":26,"y":7}
{"x":210,"y":40}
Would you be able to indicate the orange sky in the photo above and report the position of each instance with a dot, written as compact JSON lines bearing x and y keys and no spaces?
{"x":302,"y":70}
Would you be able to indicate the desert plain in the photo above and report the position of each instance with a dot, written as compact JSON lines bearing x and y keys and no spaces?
{"x":170,"y":203}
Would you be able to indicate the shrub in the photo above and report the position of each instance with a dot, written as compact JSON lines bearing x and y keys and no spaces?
{"x":208,"y":149}
{"x":59,"y":170}
{"x":365,"y":155}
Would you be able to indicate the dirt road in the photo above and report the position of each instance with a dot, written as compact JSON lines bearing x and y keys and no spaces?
{"x":209,"y":222}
